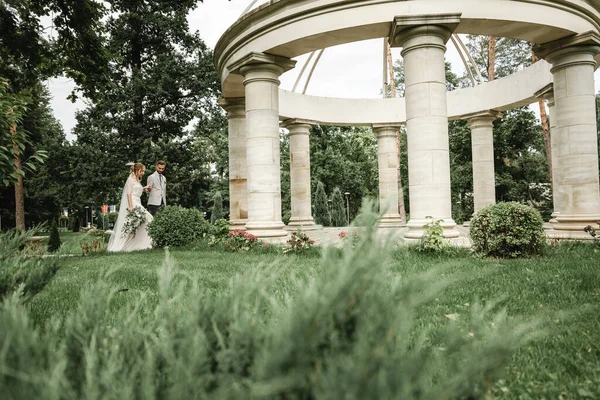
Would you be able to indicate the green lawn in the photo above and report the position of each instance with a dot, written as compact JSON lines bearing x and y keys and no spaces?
{"x":561,"y":289}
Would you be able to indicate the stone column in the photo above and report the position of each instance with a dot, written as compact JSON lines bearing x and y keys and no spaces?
{"x":482,"y":144}
{"x":423,"y":41}
{"x":573,"y":66}
{"x":238,"y":190}
{"x":388,"y":163}
{"x":300,"y":174}
{"x":261,"y":73}
{"x":547,"y":94}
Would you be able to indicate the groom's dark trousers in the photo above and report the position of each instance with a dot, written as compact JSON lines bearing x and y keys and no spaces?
{"x":154,"y":209}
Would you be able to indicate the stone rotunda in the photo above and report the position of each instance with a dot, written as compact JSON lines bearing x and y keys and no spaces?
{"x":259,"y":47}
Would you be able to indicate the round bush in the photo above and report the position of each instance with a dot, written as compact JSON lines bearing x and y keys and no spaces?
{"x":508,"y":230}
{"x":176,"y":226}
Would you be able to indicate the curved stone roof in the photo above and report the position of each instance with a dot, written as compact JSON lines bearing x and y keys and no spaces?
{"x":290,"y":28}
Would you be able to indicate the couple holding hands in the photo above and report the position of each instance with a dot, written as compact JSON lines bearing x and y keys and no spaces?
{"x":156,"y":187}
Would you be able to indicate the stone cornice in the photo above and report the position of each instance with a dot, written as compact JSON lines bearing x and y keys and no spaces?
{"x":546,"y":93}
{"x":298,"y":121}
{"x":234,"y":106}
{"x":225,"y":102}
{"x":584,"y":40}
{"x":299,"y":9}
{"x":258,"y":59}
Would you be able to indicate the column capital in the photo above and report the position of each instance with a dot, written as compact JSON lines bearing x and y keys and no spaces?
{"x":298,"y":125}
{"x":261,"y":61}
{"x":481,"y":117}
{"x":573,"y":50}
{"x":407,"y":27}
{"x":384,"y":130}
{"x":234,"y":106}
{"x":546,"y":93}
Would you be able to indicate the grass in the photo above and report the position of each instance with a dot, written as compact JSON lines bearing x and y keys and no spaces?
{"x":561,"y":289}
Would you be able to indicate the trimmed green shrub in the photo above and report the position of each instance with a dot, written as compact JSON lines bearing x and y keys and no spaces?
{"x":217,"y":212}
{"x":322,"y":215}
{"x":54,"y":240}
{"x":348,"y":331}
{"x":21,"y":267}
{"x":176,"y":226}
{"x":338,"y":208}
{"x":508,"y":230}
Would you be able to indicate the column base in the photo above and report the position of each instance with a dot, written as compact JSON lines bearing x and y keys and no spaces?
{"x":416,"y":228}
{"x":576,"y":223}
{"x":237,"y":224}
{"x":553,"y":234}
{"x":553,"y":219}
{"x":391,"y":221}
{"x":304,"y":225}
{"x":301,"y":221}
{"x":270,"y":232}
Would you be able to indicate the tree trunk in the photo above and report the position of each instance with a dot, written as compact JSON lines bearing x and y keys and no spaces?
{"x":545,"y":125}
{"x":492,"y":59}
{"x":401,"y":208}
{"x":19,"y":199}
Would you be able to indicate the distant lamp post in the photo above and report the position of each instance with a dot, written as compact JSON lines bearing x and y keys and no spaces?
{"x":86,"y":216}
{"x":347,"y":207}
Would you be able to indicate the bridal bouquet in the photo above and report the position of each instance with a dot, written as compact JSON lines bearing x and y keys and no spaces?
{"x":133,"y":220}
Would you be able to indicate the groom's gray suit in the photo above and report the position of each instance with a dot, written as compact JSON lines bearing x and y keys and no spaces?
{"x":158,"y":195}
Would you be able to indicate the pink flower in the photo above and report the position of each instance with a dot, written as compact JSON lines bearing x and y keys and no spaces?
{"x":227,"y":246}
{"x":342,"y":235}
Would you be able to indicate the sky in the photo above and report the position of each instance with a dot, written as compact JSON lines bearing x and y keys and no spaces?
{"x":351,"y":71}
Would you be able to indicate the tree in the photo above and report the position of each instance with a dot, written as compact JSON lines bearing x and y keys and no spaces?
{"x":321,"y":213}
{"x":13,"y":142}
{"x":162,"y":79}
{"x":54,"y":240}
{"x":27,"y":57}
{"x":217,"y":208}
{"x":510,"y":55}
{"x":345,"y":157}
{"x":338,"y":208}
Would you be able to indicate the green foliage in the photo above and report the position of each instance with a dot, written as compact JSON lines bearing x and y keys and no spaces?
{"x":20,"y":269}
{"x":162,"y":79}
{"x":321,"y":215}
{"x":508,"y":230}
{"x":14,"y":139}
{"x":298,"y":242}
{"x":218,"y":232}
{"x":176,"y":226}
{"x":99,"y":234}
{"x":433,"y":237}
{"x":511,"y":54}
{"x":217,"y":211}
{"x":345,"y":157}
{"x":347,"y":332}
{"x":338,"y":208}
{"x":220,"y":228}
{"x":54,"y":241}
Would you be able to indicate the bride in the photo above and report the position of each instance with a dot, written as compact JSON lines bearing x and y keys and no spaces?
{"x":129,"y":200}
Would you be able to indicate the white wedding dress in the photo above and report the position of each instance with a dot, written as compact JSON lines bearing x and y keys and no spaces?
{"x":141,"y":240}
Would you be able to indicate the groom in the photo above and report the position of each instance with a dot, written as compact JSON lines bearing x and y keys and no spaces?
{"x":158,"y":193}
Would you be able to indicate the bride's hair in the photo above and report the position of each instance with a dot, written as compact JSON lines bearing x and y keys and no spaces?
{"x":137,"y":167}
